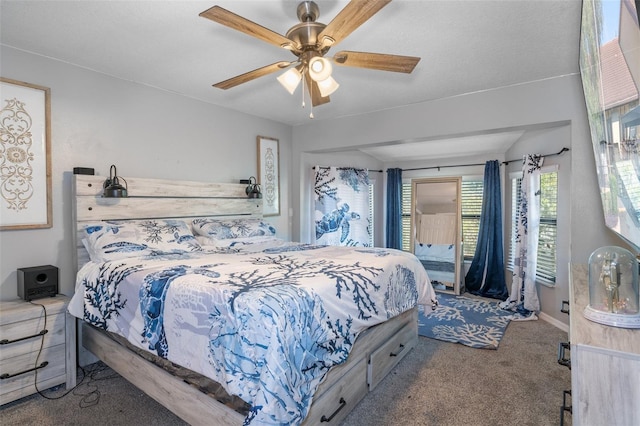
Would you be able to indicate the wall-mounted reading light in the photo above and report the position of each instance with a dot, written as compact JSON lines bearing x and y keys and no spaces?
{"x":112,"y":187}
{"x":253,"y":189}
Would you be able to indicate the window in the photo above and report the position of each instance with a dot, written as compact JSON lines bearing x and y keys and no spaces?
{"x":546,"y":267}
{"x":471,"y":211}
{"x":370,"y":221}
{"x":406,"y":216}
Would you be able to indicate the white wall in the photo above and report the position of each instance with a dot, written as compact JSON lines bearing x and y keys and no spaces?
{"x":98,"y":120}
{"x":558,"y":100}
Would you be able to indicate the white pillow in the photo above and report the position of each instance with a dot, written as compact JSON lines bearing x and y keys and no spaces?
{"x":112,"y":240}
{"x":223,"y":229}
{"x":207,"y":242}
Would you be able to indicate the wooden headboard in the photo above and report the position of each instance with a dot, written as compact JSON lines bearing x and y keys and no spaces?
{"x":156,"y":199}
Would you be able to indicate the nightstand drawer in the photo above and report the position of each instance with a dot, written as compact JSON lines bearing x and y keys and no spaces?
{"x":22,"y":326}
{"x":19,"y":330}
{"x":53,"y":371}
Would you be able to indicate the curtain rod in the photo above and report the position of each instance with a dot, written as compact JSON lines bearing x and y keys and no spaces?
{"x":345,"y":168}
{"x":563,"y":150}
{"x":482,"y":164}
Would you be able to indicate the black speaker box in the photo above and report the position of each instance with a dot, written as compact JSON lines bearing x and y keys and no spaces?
{"x":37,"y":282}
{"x":83,"y":171}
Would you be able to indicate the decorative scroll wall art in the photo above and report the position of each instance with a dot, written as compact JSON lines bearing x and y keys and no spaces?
{"x":269,"y":174}
{"x":25,"y":156}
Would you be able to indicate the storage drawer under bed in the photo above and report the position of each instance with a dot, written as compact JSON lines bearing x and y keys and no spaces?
{"x":388,"y":355}
{"x":334,"y":404}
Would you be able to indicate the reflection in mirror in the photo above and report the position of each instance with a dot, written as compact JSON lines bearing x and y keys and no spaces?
{"x":436,"y":230}
{"x":610,"y":69}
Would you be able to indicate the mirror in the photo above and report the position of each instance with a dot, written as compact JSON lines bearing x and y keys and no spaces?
{"x":436,"y":230}
{"x":610,"y":70}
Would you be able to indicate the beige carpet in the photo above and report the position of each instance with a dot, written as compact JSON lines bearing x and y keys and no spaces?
{"x":441,"y":383}
{"x":438,"y":383}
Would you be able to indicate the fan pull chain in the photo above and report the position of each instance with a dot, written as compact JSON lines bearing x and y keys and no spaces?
{"x":303,"y":86}
{"x":311,"y":96}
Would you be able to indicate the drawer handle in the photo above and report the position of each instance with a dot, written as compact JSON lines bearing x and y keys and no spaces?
{"x":399,"y":352}
{"x":565,"y":307}
{"x":8,"y":376}
{"x":562,"y":360}
{"x":6,"y":341}
{"x":328,"y":419}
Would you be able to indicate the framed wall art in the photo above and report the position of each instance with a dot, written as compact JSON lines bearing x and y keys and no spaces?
{"x":269,"y":174}
{"x":25,"y":155}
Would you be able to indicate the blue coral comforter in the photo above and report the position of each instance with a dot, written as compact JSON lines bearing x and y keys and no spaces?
{"x":267,"y":321}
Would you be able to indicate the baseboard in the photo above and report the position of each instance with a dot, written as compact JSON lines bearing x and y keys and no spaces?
{"x":551,"y":320}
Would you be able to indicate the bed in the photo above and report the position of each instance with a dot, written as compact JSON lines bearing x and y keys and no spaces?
{"x":300,"y":333}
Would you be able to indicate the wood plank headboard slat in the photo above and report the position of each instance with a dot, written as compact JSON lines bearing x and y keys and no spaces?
{"x":141,"y":187}
{"x":95,"y":208}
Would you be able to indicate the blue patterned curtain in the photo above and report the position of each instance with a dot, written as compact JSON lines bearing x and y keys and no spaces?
{"x":394,"y":209}
{"x":341,"y":211}
{"x":524,"y":293}
{"x":486,"y":273}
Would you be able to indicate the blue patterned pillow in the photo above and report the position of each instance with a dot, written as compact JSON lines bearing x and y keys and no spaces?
{"x":112,"y":240}
{"x":232,"y":228}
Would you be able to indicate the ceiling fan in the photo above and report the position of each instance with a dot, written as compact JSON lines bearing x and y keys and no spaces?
{"x":310,"y":41}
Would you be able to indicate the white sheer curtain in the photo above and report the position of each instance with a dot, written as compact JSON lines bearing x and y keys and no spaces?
{"x":524,"y":293}
{"x":341,"y":206}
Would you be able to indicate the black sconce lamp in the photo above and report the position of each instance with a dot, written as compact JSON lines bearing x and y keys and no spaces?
{"x":253,"y":189}
{"x":112,"y":187}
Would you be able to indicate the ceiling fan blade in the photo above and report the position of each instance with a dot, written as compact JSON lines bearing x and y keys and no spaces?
{"x":314,"y":91}
{"x":252,"y":75}
{"x":237,"y":22}
{"x":348,"y":19}
{"x":376,"y":61}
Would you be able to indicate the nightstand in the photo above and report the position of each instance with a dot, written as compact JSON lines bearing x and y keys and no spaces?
{"x":22,"y":327}
{"x":605,"y":364}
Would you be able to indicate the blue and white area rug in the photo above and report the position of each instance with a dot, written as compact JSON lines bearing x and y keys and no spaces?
{"x":474,"y":322}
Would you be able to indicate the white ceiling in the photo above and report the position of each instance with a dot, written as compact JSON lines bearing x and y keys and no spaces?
{"x":465,"y":45}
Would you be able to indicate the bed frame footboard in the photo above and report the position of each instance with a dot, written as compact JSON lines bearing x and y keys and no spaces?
{"x":339,"y":393}
{"x":184,"y":400}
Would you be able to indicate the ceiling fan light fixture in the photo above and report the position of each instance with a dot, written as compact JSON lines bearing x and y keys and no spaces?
{"x":327,"y":86}
{"x":319,"y":68}
{"x":290,"y":79}
{"x":309,"y":41}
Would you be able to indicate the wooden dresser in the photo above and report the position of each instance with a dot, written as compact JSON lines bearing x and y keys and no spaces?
{"x":22,"y":326}
{"x":605,"y":364}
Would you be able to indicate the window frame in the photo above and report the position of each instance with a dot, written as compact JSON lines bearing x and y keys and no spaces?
{"x":545,"y":275}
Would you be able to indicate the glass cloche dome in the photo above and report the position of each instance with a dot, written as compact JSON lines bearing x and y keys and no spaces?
{"x":613,"y":288}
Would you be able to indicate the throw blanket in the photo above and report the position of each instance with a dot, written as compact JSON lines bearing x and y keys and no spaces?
{"x":265,"y":321}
